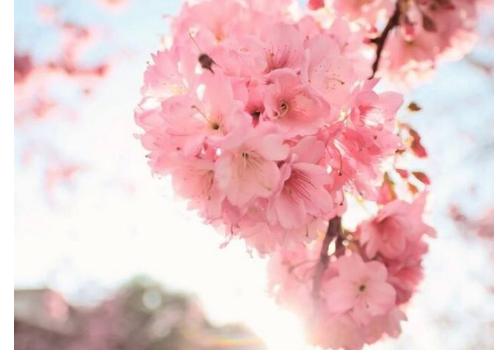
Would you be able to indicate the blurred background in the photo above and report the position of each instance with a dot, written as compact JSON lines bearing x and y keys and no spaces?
{"x":107,"y":258}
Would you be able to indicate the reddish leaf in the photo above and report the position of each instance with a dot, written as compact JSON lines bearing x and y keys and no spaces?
{"x":414,"y":107}
{"x":403,"y":173}
{"x":413,"y":189}
{"x":416,"y":146}
{"x":419,"y":150}
{"x":422,"y":177}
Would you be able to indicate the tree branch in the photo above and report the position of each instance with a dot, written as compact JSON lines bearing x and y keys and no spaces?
{"x":333,"y":232}
{"x":380,"y":41}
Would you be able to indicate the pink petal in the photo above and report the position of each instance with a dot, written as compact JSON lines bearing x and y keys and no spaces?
{"x":377,"y":271}
{"x":340,"y":295}
{"x":352,"y":268}
{"x":380,"y":297}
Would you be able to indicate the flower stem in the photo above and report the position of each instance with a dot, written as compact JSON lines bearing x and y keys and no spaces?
{"x":333,"y":232}
{"x":380,"y":41}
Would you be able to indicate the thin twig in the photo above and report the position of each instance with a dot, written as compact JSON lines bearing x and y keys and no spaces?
{"x":333,"y":232}
{"x":382,"y":38}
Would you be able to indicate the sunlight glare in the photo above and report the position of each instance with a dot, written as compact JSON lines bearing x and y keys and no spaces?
{"x":278,"y":328}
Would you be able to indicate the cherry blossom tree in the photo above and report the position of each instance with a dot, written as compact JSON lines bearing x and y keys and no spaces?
{"x":272,"y":125}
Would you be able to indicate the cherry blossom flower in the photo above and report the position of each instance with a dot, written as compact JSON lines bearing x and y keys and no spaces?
{"x":163,"y":79}
{"x":302,"y":193}
{"x":361,"y":289}
{"x":196,"y":182}
{"x":396,"y":224}
{"x":283,"y":47}
{"x":248,"y":169}
{"x":294,"y":106}
{"x":357,"y":304}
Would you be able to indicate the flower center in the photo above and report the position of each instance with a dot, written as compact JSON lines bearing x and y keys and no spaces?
{"x":298,"y":185}
{"x":255,"y":114}
{"x":283,"y":109}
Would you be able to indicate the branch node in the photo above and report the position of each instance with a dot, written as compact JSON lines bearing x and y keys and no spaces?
{"x":382,"y":38}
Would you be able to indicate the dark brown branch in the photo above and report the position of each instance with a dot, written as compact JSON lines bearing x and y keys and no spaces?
{"x":333,"y":232}
{"x":382,"y":38}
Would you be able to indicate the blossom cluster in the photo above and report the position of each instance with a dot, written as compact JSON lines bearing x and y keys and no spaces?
{"x":421,"y":33}
{"x":373,"y":272}
{"x":267,"y":123}
{"x":264,"y":127}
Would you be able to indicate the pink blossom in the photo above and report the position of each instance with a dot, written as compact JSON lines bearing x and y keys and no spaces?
{"x":302,"y":194}
{"x":166,"y":75}
{"x":425,"y":33}
{"x":361,"y":290}
{"x":283,"y":47}
{"x":195,"y":181}
{"x":267,"y":238}
{"x":275,"y":7}
{"x":375,"y":111}
{"x":316,"y":4}
{"x":396,"y":224}
{"x":432,"y":33}
{"x":247,"y":169}
{"x":336,"y":333}
{"x":328,"y":71}
{"x":214,"y":25}
{"x":365,"y":11}
{"x":406,"y":272}
{"x":294,"y":106}
{"x":290,"y":271}
{"x":389,"y":323}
